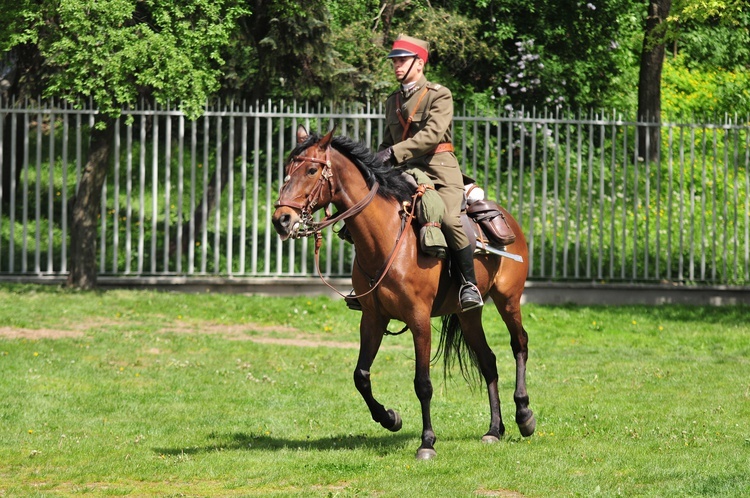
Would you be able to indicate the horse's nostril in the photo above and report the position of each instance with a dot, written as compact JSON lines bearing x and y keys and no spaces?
{"x":285,"y":220}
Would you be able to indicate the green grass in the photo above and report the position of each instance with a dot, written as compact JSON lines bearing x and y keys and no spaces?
{"x":142,"y":393}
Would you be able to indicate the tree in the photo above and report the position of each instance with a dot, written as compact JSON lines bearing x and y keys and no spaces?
{"x":649,"y":80}
{"x":113,"y":52}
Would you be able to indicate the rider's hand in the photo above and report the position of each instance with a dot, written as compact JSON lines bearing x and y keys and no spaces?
{"x":385,"y":156}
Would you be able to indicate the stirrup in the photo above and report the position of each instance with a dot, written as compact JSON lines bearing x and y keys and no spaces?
{"x":352,"y":302}
{"x":470,"y":297}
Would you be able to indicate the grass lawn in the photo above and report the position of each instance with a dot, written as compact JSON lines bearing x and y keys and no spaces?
{"x":135,"y":393}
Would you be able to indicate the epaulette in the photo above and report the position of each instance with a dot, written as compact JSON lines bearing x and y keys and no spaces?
{"x":434,"y":86}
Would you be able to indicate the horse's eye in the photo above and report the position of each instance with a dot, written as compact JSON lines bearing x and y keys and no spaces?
{"x":312,"y":170}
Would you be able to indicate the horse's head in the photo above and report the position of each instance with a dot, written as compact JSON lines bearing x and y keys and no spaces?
{"x":308,"y":186}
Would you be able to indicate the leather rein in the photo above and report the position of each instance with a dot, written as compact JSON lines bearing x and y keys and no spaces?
{"x":308,"y":227}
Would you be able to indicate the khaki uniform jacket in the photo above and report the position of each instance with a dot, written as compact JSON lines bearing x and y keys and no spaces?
{"x":431,"y":125}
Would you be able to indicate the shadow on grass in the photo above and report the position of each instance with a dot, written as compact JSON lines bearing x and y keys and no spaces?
{"x":251,"y":442}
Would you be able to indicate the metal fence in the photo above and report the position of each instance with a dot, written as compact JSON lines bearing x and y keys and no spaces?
{"x":591,"y":208}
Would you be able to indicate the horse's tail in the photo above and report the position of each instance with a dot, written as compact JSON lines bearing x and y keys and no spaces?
{"x":453,"y":347}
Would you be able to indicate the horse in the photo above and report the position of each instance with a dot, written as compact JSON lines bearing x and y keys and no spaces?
{"x":395,"y":280}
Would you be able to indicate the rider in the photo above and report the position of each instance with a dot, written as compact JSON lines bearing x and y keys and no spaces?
{"x":419,"y":119}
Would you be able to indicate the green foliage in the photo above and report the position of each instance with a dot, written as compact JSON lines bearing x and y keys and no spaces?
{"x":112,"y":51}
{"x":703,"y":92}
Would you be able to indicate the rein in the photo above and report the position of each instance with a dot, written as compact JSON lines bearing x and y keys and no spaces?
{"x":410,"y":216}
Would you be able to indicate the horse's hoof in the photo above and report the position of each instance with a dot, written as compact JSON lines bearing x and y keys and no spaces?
{"x":490,"y":439}
{"x":393,"y":415}
{"x":527,"y":428}
{"x":426,"y":454}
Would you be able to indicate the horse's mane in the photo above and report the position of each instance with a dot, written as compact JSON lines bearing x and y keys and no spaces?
{"x":392,"y":183}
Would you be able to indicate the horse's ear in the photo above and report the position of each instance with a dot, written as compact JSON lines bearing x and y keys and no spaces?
{"x":326,"y":140}
{"x":301,"y":134}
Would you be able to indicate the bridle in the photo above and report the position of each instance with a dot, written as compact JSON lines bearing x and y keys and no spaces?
{"x":308,"y":227}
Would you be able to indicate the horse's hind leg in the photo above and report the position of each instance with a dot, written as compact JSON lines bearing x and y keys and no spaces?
{"x":371,"y":332}
{"x":510,"y":310}
{"x":473,"y":332}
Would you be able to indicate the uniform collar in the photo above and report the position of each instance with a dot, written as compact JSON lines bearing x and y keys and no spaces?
{"x":414,"y":88}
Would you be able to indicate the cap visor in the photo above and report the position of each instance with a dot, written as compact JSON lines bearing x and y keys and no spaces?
{"x":400,"y":52}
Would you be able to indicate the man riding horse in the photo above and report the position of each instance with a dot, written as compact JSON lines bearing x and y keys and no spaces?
{"x":419,"y":118}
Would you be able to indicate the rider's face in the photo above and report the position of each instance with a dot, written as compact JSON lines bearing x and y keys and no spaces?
{"x":401,"y":67}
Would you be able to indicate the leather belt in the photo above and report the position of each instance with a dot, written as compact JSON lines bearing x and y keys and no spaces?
{"x":443,"y":147}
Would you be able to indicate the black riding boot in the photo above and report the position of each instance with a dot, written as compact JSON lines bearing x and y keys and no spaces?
{"x":469,"y":294}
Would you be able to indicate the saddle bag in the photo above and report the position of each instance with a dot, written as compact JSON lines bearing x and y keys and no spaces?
{"x":492,"y":221}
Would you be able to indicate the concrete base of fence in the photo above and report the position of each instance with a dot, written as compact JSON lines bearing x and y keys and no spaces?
{"x":582,"y":293}
{"x":623,"y":294}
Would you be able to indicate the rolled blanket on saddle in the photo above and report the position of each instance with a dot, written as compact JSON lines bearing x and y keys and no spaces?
{"x":430,"y":217}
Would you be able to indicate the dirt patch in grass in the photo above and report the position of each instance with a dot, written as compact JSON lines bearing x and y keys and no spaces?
{"x":262,"y":334}
{"x":31,"y":334}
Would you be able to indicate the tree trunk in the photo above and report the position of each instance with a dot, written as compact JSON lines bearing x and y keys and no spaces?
{"x":649,"y":81}
{"x":86,"y":208}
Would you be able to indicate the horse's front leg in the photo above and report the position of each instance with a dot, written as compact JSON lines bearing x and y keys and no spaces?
{"x":371,"y":330}
{"x":423,"y":386}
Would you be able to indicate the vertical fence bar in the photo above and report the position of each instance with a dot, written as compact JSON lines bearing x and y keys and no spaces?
{"x":555,"y":197}
{"x":116,"y":201}
{"x":657,"y":220}
{"x":230,"y":193}
{"x":269,"y":202}
{"x":613,"y":202}
{"x":623,"y":242}
{"x":154,"y":188}
{"x":566,"y":209}
{"x":590,"y":193}
{"x":25,"y":196}
{"x":64,"y":194}
{"x":243,"y":186}
{"x":178,"y":252}
{"x":38,"y":194}
{"x":670,"y":200}
{"x":128,"y":197}
{"x":218,"y":188}
{"x":281,"y":146}
{"x":646,"y":201}
{"x":167,"y":188}
{"x":635,"y":197}
{"x":51,"y":193}
{"x":545,"y":175}
{"x":290,"y":243}
{"x":12,"y":194}
{"x":193,"y":200}
{"x":681,"y":209}
{"x":602,"y":196}
{"x":256,"y":169}
{"x":532,"y":198}
{"x":578,"y":195}
{"x":692,"y":204}
{"x":141,"y":193}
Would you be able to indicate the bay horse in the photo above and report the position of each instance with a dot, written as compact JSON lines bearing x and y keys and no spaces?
{"x":394,"y":279}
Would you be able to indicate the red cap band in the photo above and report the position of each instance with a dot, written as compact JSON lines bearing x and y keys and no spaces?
{"x":411,"y":47}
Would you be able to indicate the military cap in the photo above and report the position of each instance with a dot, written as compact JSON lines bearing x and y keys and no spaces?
{"x":408,"y":46}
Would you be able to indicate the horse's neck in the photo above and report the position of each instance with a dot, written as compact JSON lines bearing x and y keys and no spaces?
{"x":376,"y":228}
